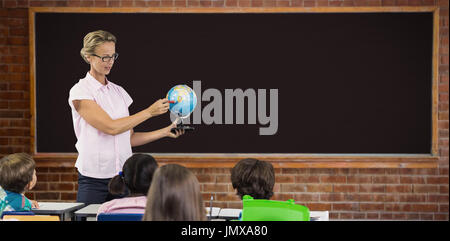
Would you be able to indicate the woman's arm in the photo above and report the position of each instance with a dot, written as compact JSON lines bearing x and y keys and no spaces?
{"x":98,"y":118}
{"x":141,"y":138}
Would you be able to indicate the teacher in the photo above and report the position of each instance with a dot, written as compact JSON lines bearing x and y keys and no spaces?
{"x":102,"y":123}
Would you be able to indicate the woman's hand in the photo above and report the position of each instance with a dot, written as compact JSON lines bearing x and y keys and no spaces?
{"x":168,"y":129}
{"x":160,"y":106}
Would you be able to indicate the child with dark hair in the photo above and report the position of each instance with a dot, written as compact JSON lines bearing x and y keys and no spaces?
{"x":253,"y":177}
{"x":17,"y":175}
{"x":134,"y":181}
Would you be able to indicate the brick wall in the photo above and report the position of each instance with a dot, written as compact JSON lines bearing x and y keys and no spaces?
{"x":400,"y":194}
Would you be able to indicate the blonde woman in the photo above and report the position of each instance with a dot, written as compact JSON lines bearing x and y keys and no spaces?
{"x":174,"y":196}
{"x":102,"y":124}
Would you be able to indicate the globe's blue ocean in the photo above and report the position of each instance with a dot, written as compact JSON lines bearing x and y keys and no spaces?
{"x":183,"y":100}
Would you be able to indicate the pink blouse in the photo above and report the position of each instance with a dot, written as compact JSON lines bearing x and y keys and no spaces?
{"x":124,"y":205}
{"x":100,"y":155}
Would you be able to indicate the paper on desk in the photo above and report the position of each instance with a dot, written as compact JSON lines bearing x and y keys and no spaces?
{"x":215,"y":211}
{"x":230,"y":212}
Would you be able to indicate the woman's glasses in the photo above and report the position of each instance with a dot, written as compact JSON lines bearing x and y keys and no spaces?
{"x":108,"y":58}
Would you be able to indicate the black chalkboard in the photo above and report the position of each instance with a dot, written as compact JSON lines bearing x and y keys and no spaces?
{"x":346,"y":82}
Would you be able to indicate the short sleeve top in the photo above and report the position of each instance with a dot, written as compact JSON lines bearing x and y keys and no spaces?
{"x":100,"y":155}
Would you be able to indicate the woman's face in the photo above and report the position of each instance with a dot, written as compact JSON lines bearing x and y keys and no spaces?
{"x":107,"y":49}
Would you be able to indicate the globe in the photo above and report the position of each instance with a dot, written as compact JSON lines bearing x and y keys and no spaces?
{"x":182,"y":100}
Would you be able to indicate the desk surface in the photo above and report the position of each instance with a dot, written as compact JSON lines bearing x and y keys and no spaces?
{"x":91,"y":211}
{"x":88,"y":211}
{"x":56,"y":207}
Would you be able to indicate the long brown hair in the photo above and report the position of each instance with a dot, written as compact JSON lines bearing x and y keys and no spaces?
{"x":174,"y":196}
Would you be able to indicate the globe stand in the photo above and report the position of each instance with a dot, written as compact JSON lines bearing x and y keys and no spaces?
{"x":181,"y":126}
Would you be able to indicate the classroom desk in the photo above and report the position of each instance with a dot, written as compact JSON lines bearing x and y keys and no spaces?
{"x":87,"y":212}
{"x":91,"y":211}
{"x":63,"y":210}
{"x":223,"y":214}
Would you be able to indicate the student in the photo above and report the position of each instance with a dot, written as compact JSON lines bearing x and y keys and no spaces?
{"x":17,"y":175}
{"x":174,"y":196}
{"x":135,"y":179}
{"x":102,"y":123}
{"x":253,"y":177}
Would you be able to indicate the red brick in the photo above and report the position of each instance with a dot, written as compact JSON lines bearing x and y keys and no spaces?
{"x":42,"y":196}
{"x":69,"y":177}
{"x":180,"y":3}
{"x":205,"y":178}
{"x":359,"y":179}
{"x":61,"y":186}
{"x":215,"y":187}
{"x":306,"y":197}
{"x":345,"y":207}
{"x":333,"y":179}
{"x":437,"y":180}
{"x":372,"y":188}
{"x":284,"y":179}
{"x":309,"y":3}
{"x":425,"y":188}
{"x":332,"y":197}
{"x":319,"y":188}
{"x":293,"y":188}
{"x":386,"y":179}
{"x":399,"y":188}
{"x":425,"y":207}
{"x":223,"y":178}
{"x":68,"y":196}
{"x":371,"y":206}
{"x":345,"y":188}
{"x":307,"y":179}
{"x":227,"y":197}
{"x":319,"y":206}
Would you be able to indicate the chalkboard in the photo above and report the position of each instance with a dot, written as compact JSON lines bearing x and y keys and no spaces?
{"x":344,"y":83}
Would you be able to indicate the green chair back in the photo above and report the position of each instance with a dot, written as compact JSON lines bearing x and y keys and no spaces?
{"x":270,"y":210}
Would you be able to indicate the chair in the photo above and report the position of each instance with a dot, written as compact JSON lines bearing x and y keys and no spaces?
{"x":120,"y":217}
{"x":27,"y":213}
{"x":269,"y":210}
{"x":30,"y":218}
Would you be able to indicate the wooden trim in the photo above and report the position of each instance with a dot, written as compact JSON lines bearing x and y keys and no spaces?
{"x":435,"y":85}
{"x":235,"y":10}
{"x":31,"y":37}
{"x":278,"y":160}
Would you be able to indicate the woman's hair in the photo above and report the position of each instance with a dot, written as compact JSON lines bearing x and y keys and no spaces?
{"x":136,"y":175}
{"x":16,"y":171}
{"x":253,"y":177}
{"x":174,"y":196}
{"x":94,"y":39}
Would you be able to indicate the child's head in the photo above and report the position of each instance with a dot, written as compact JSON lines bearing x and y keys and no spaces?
{"x":17,"y":172}
{"x":174,"y":196}
{"x":253,"y":177}
{"x":136,"y":175}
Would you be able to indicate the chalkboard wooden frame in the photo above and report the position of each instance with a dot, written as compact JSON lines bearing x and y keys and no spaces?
{"x":279,"y":160}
